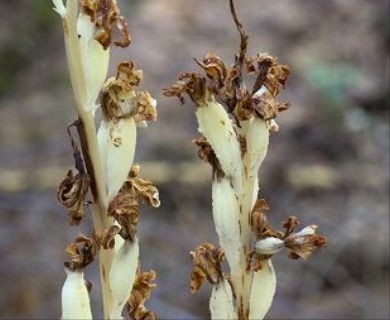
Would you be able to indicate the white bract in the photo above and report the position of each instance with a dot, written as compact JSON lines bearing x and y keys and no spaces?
{"x":221,"y":302}
{"x":225,"y":213}
{"x":215,"y":124}
{"x":117,"y":142}
{"x":75,"y":297}
{"x":262,"y":291}
{"x":122,"y":275}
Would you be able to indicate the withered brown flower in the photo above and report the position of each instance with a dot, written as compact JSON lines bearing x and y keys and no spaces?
{"x":207,"y":154}
{"x":82,"y":252}
{"x":125,"y":210}
{"x":194,"y":85}
{"x":71,"y":194}
{"x":117,"y":97}
{"x":140,"y":293}
{"x":104,"y":14}
{"x":143,"y":191}
{"x":206,"y":260}
{"x":304,"y":243}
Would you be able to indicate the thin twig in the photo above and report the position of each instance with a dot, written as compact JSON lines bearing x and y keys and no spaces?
{"x":240,"y":58}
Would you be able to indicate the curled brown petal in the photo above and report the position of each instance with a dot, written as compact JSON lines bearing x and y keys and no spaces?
{"x":146,"y":107}
{"x":71,"y":194}
{"x":117,"y":97}
{"x":125,"y":210}
{"x":105,"y":15}
{"x":194,"y":85}
{"x":206,"y":261}
{"x":140,"y":293}
{"x":303,"y":246}
{"x":82,"y":252}
{"x":143,"y":191}
{"x":207,"y":154}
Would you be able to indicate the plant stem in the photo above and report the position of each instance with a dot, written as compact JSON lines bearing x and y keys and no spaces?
{"x":90,"y":149}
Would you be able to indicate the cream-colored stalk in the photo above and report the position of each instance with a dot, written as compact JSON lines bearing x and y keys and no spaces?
{"x":75,"y":297}
{"x":256,"y":134}
{"x":88,"y":65}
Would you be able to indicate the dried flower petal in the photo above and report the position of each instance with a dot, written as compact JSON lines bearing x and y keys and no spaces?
{"x":215,"y":70}
{"x":146,"y":107}
{"x":194,"y":85}
{"x":207,"y":154}
{"x":125,"y":210}
{"x":117,"y":98}
{"x":290,"y":225}
{"x":207,"y":261}
{"x":104,"y":14}
{"x":82,"y":252}
{"x":142,"y":190}
{"x":303,"y":244}
{"x":140,"y":294}
{"x":71,"y":194}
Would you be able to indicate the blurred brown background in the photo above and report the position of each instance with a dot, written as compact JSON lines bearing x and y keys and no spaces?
{"x":329,"y":164}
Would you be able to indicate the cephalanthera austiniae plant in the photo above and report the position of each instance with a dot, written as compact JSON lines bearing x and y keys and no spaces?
{"x":105,"y":164}
{"x":235,"y":141}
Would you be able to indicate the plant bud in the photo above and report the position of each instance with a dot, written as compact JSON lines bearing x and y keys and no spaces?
{"x":269,"y":245}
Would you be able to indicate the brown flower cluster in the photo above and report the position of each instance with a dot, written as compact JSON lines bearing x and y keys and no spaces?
{"x":119,"y":99}
{"x":105,"y":15}
{"x":226,"y":84}
{"x":300,"y":244}
{"x":207,"y":260}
